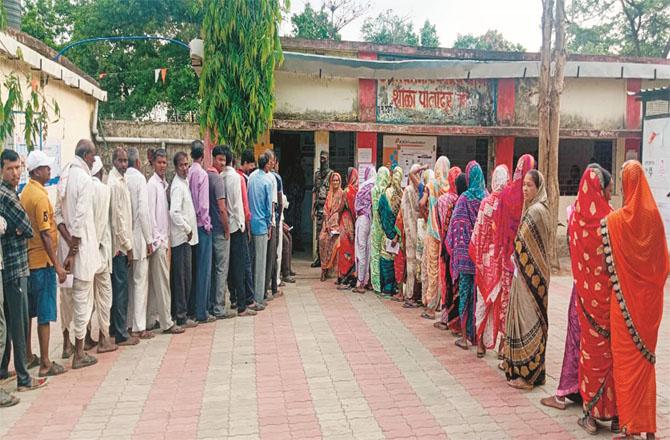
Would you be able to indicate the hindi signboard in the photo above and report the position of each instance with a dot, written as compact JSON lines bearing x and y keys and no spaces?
{"x":449,"y":102}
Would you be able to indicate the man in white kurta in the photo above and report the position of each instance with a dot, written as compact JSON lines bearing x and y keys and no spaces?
{"x":138,"y":286}
{"x":79,"y":245}
{"x":102,"y":283}
{"x":159,"y":271}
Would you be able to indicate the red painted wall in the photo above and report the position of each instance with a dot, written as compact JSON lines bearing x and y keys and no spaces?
{"x":506,"y":101}
{"x":633,"y":115}
{"x":505,"y":115}
{"x":367,"y":108}
{"x":367,"y":139}
{"x":505,"y":152}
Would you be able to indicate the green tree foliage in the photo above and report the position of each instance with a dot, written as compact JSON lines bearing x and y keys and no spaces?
{"x":313,"y":25}
{"x":490,"y":40}
{"x":125,"y":69}
{"x":327,"y":22}
{"x":428,"y":34}
{"x":389,"y":28}
{"x":623,"y":27}
{"x":50,"y":21}
{"x":35,"y":108}
{"x":242,"y":49}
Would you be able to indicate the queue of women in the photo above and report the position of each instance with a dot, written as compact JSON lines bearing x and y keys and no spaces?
{"x":477,"y":263}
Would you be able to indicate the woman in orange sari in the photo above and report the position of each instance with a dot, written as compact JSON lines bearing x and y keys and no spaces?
{"x":636,"y":254}
{"x":593,"y":288}
{"x":330,"y":231}
{"x":345,"y":257}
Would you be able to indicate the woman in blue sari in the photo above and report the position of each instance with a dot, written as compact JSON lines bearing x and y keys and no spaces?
{"x":459,"y":234}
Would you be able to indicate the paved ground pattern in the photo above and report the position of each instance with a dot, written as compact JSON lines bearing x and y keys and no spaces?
{"x":318,"y":363}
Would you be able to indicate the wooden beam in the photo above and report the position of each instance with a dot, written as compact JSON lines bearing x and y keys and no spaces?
{"x":447,"y":130}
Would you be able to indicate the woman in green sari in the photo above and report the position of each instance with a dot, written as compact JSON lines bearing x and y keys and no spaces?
{"x":389,"y":205}
{"x":376,"y":232}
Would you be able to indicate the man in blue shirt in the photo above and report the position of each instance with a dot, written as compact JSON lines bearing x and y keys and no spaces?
{"x":260,"y":205}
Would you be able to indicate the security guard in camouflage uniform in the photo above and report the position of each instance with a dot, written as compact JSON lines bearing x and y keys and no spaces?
{"x":319,"y":195}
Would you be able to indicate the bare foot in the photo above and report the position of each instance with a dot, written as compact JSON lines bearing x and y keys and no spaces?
{"x":132,"y":340}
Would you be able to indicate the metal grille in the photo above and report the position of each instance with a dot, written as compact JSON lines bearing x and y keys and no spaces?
{"x":658,"y":107}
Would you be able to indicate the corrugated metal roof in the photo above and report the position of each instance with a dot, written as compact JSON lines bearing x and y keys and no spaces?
{"x":331,"y":66}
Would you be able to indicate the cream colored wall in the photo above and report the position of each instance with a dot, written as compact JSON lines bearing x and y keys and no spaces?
{"x":76,"y":109}
{"x":305,"y":97}
{"x":600,"y":103}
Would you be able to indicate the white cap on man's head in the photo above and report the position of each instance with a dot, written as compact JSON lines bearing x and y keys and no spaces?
{"x":37,"y":159}
{"x":97,"y":166}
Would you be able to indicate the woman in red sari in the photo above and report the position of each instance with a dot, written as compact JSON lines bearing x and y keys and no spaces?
{"x":636,"y":254}
{"x":593,"y":288}
{"x":488,"y":264}
{"x":346,"y":259}
{"x":508,"y":217}
{"x":330,"y":231}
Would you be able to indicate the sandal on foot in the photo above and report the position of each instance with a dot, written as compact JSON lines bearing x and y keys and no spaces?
{"x":520,"y":384}
{"x":67,"y":354}
{"x":426,"y":315}
{"x":409,"y":305}
{"x":33,"y":362}
{"x":501,"y":366}
{"x":174,"y":330}
{"x":481,"y":354}
{"x":440,"y":326}
{"x":86,"y":361}
{"x":34,"y":384}
{"x":54,"y":370}
{"x":147,"y":334}
{"x":590,"y":428}
{"x":553,"y":402}
{"x":106,"y":349}
{"x":7,"y":400}
{"x":460,"y":343}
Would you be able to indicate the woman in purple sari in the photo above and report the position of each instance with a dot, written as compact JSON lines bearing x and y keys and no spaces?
{"x":363,"y":207}
{"x":568,"y":386}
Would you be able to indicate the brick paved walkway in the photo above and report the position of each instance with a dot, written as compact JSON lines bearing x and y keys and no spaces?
{"x":318,"y":363}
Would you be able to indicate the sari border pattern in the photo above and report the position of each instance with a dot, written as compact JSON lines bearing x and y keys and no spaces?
{"x":611,"y":267}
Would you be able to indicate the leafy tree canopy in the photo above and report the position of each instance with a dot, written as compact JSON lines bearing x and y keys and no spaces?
{"x":389,"y":28}
{"x":242,"y":50}
{"x":125,"y":69}
{"x":428,"y":34}
{"x":622,"y":27}
{"x":313,"y":25}
{"x":490,"y":40}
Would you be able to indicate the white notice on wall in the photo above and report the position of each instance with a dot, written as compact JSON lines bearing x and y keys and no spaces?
{"x":413,"y":149}
{"x":656,"y":160}
{"x":364,"y":155}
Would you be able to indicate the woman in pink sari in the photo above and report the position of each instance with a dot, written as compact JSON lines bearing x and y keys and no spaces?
{"x":488,"y":265}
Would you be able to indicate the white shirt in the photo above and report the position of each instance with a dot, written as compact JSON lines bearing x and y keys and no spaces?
{"x":159,"y":212}
{"x":139,"y":201}
{"x":182,"y":214}
{"x":74,"y":208}
{"x":234,"y":203}
{"x":122,"y":213}
{"x":103,"y":228}
{"x":275,"y":201}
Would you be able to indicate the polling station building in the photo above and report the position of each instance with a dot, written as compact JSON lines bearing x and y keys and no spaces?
{"x":382,"y":104}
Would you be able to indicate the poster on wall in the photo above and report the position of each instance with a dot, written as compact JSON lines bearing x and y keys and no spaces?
{"x":656,"y":162}
{"x":405,"y":151}
{"x":51,"y":146}
{"x":450,"y":102}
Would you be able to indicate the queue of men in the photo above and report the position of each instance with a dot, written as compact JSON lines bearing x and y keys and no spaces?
{"x":133,"y":255}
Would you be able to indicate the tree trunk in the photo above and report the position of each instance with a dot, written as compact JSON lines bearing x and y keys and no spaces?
{"x":544,"y":86}
{"x":557,"y":81}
